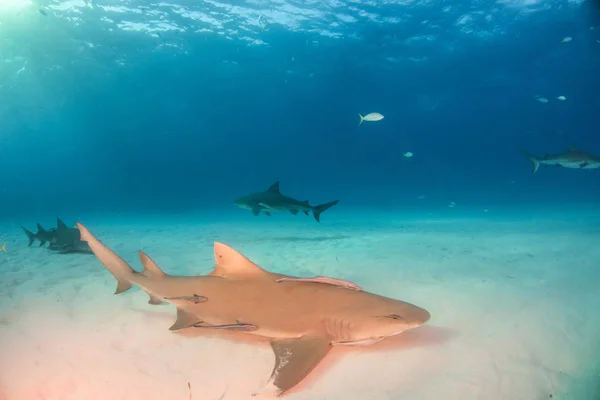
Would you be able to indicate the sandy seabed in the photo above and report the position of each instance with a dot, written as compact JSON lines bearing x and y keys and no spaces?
{"x":514,"y":304}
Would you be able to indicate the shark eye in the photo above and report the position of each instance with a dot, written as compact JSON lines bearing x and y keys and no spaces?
{"x":395,"y":316}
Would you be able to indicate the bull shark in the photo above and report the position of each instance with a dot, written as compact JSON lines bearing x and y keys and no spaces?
{"x":68,"y":240}
{"x":42,"y":235}
{"x":573,"y":158}
{"x":302,"y":317}
{"x":272,"y":200}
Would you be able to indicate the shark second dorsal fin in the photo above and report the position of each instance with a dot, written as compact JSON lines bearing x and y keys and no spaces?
{"x":274,"y":188}
{"x":151,"y":269}
{"x":40,"y":228}
{"x":229,"y":263}
{"x":60,"y":225}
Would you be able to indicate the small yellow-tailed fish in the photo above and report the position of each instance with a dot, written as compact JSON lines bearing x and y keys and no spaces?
{"x":3,"y":247}
{"x":370,"y":117}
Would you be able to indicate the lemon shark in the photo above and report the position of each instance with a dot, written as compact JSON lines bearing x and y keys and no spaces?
{"x":42,"y":235}
{"x":302,"y":317}
{"x":573,"y":158}
{"x":272,"y":200}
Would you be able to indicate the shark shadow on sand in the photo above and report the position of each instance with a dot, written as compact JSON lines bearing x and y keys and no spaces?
{"x":272,"y":200}
{"x":574,"y":158}
{"x":61,"y":239}
{"x":302,"y":317}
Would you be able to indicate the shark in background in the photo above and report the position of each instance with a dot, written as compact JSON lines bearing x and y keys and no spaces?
{"x":61,"y":239}
{"x":573,"y":158}
{"x":272,"y":200}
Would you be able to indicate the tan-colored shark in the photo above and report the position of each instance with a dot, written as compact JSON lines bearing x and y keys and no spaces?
{"x":303,"y":317}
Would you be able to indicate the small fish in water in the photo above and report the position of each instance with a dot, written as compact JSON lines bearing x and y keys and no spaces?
{"x":408,"y":154}
{"x":370,"y":117}
{"x":542,"y":99}
{"x":567,"y":39}
{"x":194,"y":299}
{"x":562,"y":98}
{"x":452,"y":204}
{"x":3,"y":247}
{"x":44,"y":13}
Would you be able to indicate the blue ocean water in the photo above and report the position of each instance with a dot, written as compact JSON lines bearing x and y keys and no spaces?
{"x":130,"y":114}
{"x":130,"y":106}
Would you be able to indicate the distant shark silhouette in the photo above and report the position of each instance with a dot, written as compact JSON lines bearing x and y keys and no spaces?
{"x":61,"y":239}
{"x":272,"y":200}
{"x":574,"y":158}
{"x":303,"y":317}
{"x":42,"y":235}
{"x":68,"y":240}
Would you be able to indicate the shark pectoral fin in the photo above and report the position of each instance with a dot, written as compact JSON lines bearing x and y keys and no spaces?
{"x":323,"y":279}
{"x":294,"y":360}
{"x":256,"y":210}
{"x":184,"y":320}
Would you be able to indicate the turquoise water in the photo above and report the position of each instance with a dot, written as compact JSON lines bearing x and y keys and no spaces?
{"x":146,"y":121}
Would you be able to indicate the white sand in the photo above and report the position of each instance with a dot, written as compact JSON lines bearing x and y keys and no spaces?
{"x":515,"y":311}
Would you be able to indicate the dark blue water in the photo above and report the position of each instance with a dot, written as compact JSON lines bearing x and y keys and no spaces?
{"x":118,"y":121}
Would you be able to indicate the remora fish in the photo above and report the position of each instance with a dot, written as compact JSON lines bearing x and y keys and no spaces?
{"x":272,"y":200}
{"x":574,"y":158}
{"x":303,"y":319}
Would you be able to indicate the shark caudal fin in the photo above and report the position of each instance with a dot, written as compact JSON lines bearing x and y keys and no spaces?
{"x":534,"y":160}
{"x":317,"y":210}
{"x":113,"y":263}
{"x":30,"y":235}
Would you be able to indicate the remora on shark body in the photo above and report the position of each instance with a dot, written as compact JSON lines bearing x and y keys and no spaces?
{"x":272,"y":200}
{"x":303,"y":317}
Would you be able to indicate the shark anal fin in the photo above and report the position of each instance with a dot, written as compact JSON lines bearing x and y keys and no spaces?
{"x":230,"y":327}
{"x":184,"y":320}
{"x":151,"y":270}
{"x":43,"y":242}
{"x":305,"y":212}
{"x":295,"y":212}
{"x":267,"y":213}
{"x":323,"y":279}
{"x":294,"y":360}
{"x":153,"y":299}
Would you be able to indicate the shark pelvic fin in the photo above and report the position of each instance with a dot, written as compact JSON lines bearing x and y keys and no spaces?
{"x":154,"y":300}
{"x":232,"y":264}
{"x":184,"y":320}
{"x":151,"y":270}
{"x":294,"y":360}
{"x":274,"y":188}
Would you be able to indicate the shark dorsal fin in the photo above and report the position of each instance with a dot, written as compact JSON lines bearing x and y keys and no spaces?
{"x":60,"y":225}
{"x":274,"y":188}
{"x":151,"y":269}
{"x":40,"y":228}
{"x":231,"y":264}
{"x":572,"y":147}
{"x":305,"y":202}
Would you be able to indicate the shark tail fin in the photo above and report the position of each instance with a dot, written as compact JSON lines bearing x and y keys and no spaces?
{"x":361,"y":119}
{"x":534,"y":160}
{"x":3,"y":247}
{"x":317,"y":210}
{"x":113,"y":263}
{"x":30,"y":235}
